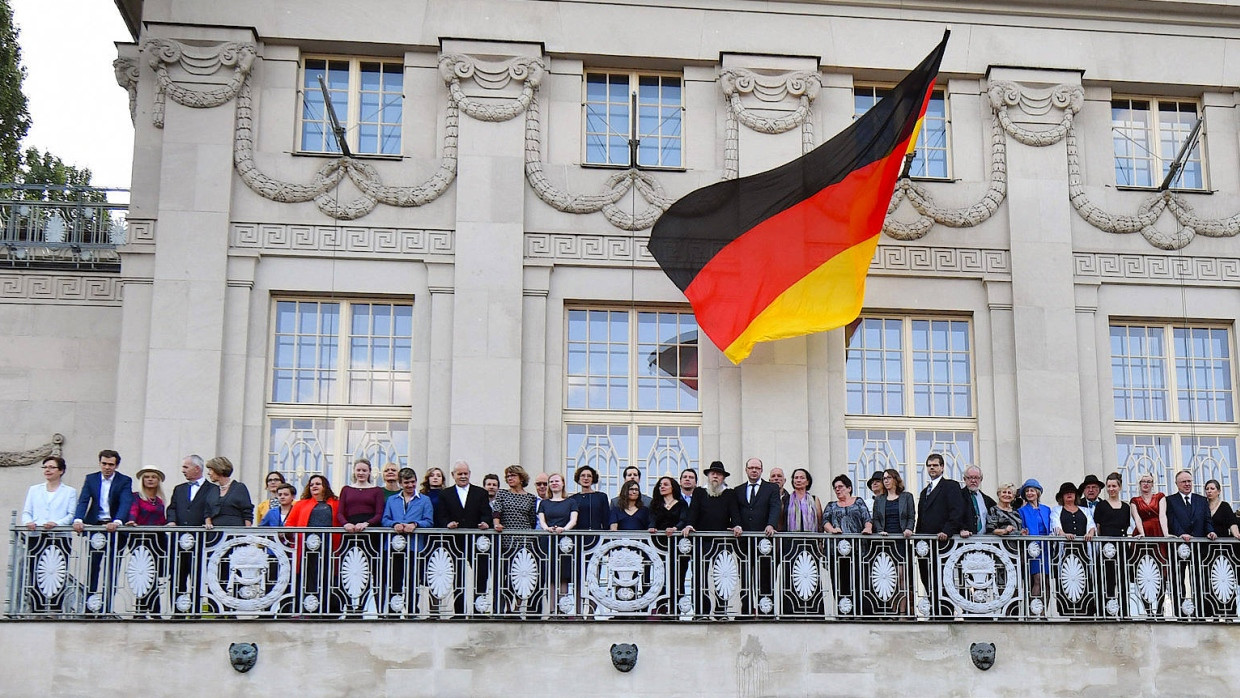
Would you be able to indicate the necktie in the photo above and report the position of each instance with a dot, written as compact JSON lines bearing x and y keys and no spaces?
{"x":753,"y":493}
{"x":977,"y":512}
{"x":1188,"y":502}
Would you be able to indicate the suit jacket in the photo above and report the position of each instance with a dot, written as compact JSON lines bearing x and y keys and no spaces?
{"x":782,"y":523}
{"x":707,"y":513}
{"x":762,"y":510}
{"x":120,"y":499}
{"x":183,"y":512}
{"x":942,"y":511}
{"x":970,"y":516}
{"x":1194,"y":520}
{"x":477,"y":508}
{"x":908,"y":513}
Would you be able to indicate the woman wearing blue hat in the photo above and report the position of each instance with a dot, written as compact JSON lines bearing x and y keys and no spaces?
{"x":1036,"y":520}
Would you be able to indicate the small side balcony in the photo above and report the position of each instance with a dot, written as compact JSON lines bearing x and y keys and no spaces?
{"x":61,"y":227}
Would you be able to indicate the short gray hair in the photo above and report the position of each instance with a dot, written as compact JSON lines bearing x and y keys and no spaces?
{"x":195,"y":460}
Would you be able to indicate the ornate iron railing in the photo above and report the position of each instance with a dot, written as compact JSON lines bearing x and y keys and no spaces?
{"x":60,"y":226}
{"x":441,"y":574}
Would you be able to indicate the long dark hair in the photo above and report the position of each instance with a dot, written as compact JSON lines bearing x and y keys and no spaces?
{"x":656,"y":497}
{"x":630,"y":485}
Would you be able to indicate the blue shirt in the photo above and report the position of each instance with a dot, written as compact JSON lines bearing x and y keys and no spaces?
{"x":417,"y":510}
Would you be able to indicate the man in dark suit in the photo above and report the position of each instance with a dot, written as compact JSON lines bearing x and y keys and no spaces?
{"x":105,"y":501}
{"x":940,"y":512}
{"x":778,"y":478}
{"x":1188,"y":516}
{"x":975,"y":502}
{"x":465,"y":506}
{"x":713,"y":508}
{"x":758,"y":503}
{"x":188,"y":507}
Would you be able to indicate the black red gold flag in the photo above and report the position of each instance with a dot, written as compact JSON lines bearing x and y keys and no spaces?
{"x":785,"y":252}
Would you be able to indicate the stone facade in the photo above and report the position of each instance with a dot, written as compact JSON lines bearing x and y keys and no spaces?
{"x":487,"y":222}
{"x":747,"y":661}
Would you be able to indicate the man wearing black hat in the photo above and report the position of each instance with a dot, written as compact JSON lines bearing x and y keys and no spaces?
{"x":1088,"y":492}
{"x":713,"y":509}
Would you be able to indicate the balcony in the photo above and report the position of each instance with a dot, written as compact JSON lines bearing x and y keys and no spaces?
{"x":285,"y":574}
{"x":56,"y":227}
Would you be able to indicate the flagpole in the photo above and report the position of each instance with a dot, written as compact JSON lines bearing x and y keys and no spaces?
{"x":1178,"y":163}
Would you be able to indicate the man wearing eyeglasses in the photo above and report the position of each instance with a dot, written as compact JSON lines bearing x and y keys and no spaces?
{"x":976,"y":502}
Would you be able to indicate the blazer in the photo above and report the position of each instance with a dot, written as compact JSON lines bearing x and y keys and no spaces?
{"x":970,"y":516}
{"x":183,"y":512}
{"x":1194,"y":520}
{"x":477,"y":508}
{"x":707,"y":513}
{"x":908,"y":513}
{"x":120,"y":499}
{"x":942,"y":511}
{"x":762,"y":510}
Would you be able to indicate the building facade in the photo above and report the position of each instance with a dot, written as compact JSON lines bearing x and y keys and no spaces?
{"x":472,"y":281}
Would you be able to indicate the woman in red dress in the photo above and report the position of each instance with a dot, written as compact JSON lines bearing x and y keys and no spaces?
{"x":1151,"y":509}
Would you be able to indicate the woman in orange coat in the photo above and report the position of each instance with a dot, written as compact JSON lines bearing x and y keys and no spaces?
{"x":317,"y":509}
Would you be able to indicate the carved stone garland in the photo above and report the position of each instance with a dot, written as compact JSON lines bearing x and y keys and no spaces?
{"x":10,"y":459}
{"x":771,"y":89}
{"x":196,"y":60}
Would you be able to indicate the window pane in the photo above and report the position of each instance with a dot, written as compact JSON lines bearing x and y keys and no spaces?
{"x":871,"y":450}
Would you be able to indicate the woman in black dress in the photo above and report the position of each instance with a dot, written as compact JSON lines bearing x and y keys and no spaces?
{"x":1225,"y":526}
{"x":558,"y":514}
{"x":1114,"y":518}
{"x":229,"y":503}
{"x":1073,"y":594}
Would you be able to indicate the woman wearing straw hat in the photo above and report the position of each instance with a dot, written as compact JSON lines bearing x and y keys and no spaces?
{"x":148,"y":510}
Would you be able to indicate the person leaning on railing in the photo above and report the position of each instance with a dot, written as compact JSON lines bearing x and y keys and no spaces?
{"x":1075,"y":523}
{"x":802,"y":515}
{"x":894,"y":515}
{"x":48,"y":504}
{"x":148,"y":510}
{"x":406,"y":513}
{"x":1035,"y":520}
{"x":1002,"y":519}
{"x":317,"y":509}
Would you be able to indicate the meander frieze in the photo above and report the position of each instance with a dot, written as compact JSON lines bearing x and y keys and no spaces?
{"x":60,"y":289}
{"x":1154,"y":268}
{"x":596,"y":250}
{"x":940,"y":261}
{"x":344,"y":239}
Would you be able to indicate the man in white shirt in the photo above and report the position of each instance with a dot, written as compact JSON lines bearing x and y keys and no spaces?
{"x":48,"y":504}
{"x":688,"y":485}
{"x":105,"y":500}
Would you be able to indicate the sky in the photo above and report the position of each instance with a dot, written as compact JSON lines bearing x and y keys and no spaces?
{"x":77,"y":109}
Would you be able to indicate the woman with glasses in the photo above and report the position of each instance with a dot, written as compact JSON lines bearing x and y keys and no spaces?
{"x":272,"y":500}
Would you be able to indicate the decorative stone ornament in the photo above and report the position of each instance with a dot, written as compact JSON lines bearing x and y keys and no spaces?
{"x":243,"y":656}
{"x":624,"y":656}
{"x":983,"y":654}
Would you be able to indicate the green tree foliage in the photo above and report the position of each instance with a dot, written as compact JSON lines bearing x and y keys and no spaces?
{"x":14,"y":115}
{"x":59,"y":180}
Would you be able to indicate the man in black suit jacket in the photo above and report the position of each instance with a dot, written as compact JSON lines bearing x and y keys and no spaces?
{"x":713,"y":509}
{"x":975,"y":502}
{"x":940,"y":512}
{"x":105,"y":500}
{"x":757,"y":501}
{"x":1188,"y":516}
{"x":465,"y":506}
{"x":188,"y":507}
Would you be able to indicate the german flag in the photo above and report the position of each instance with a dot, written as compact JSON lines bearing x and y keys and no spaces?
{"x":785,"y":253}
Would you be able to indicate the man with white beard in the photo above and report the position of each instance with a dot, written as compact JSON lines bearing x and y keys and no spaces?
{"x":714,"y":508}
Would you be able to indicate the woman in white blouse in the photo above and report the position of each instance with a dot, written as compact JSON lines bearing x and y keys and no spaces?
{"x":48,"y":504}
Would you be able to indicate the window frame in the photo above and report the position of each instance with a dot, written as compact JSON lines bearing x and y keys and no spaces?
{"x":632,"y":418}
{"x":1159,"y":158}
{"x":909,"y":423}
{"x":634,"y":81}
{"x":1175,"y":428}
{"x":948,"y":160}
{"x":338,"y":410}
{"x":352,"y":108}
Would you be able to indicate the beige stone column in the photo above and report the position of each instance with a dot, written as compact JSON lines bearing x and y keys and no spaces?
{"x":189,"y":277}
{"x":769,"y":122}
{"x":439,"y":385}
{"x":534,"y":355}
{"x":1046,"y":357}
{"x":488,"y":296}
